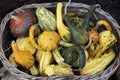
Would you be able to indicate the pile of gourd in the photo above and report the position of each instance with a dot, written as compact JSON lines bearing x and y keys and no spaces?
{"x":62,"y":44}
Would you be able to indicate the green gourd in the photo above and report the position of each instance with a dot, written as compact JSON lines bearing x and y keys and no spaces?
{"x":80,"y":35}
{"x":46,"y":19}
{"x":74,"y":56}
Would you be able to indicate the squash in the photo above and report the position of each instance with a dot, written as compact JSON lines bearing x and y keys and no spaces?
{"x":38,"y":55}
{"x":98,"y":64}
{"x":57,"y":56}
{"x":105,"y":24}
{"x":25,"y":44}
{"x":22,"y":57}
{"x":58,"y":70}
{"x":92,"y":50}
{"x":80,"y":36}
{"x":62,"y":29}
{"x":74,"y":56}
{"x":46,"y":60}
{"x":31,"y":35}
{"x":34,"y":70}
{"x":106,"y":40}
{"x":21,"y":20}
{"x":46,"y":19}
{"x":48,"y":40}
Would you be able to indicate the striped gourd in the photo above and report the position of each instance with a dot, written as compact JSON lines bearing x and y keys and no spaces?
{"x":46,"y":19}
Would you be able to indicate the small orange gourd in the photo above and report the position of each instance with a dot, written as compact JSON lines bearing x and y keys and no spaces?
{"x":24,"y":58}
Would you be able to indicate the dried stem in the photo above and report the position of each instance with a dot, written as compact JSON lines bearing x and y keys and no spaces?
{"x":67,"y":6}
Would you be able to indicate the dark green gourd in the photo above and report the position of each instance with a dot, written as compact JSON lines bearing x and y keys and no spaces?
{"x":80,"y":35}
{"x":74,"y":56}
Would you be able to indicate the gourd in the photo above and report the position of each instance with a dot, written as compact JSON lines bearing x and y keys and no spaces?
{"x":25,"y":44}
{"x":38,"y":55}
{"x":57,"y":56}
{"x":46,"y":59}
{"x":34,"y":70}
{"x":98,"y":64}
{"x":77,"y":21}
{"x":106,"y":40}
{"x":46,"y":19}
{"x":12,"y":60}
{"x":92,"y":50}
{"x":31,"y":36}
{"x":74,"y":56}
{"x":21,"y":20}
{"x":62,"y":29}
{"x":58,"y":70}
{"x":79,"y":36}
{"x":48,"y":40}
{"x":105,"y":24}
{"x":24,"y":58}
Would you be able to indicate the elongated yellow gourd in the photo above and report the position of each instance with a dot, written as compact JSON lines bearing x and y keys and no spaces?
{"x":98,"y":64}
{"x":62,"y":29}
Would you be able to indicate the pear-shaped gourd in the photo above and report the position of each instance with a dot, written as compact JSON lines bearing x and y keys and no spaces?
{"x":80,"y":36}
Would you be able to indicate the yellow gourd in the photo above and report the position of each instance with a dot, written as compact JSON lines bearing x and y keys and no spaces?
{"x":104,"y":23}
{"x":31,"y":35}
{"x":106,"y":40}
{"x":45,"y":60}
{"x":92,"y":50}
{"x":98,"y":64}
{"x":25,"y":44}
{"x":24,"y":58}
{"x":62,"y":29}
{"x":48,"y":40}
{"x":58,"y":70}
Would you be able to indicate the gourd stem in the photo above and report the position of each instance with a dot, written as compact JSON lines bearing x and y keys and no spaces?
{"x":65,"y":43}
{"x":90,"y":41}
{"x":67,"y":6}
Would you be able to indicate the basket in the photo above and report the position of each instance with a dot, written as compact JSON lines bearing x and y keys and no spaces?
{"x":6,"y":38}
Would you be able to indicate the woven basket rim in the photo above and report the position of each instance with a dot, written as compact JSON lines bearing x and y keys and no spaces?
{"x":103,"y":74}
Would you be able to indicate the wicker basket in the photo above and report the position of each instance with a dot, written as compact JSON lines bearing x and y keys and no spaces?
{"x":6,"y":38}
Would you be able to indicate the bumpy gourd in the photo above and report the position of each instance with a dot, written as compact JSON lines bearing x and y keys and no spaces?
{"x":58,"y":70}
{"x":24,"y":58}
{"x":106,"y":40}
{"x":48,"y":40}
{"x":98,"y":64}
